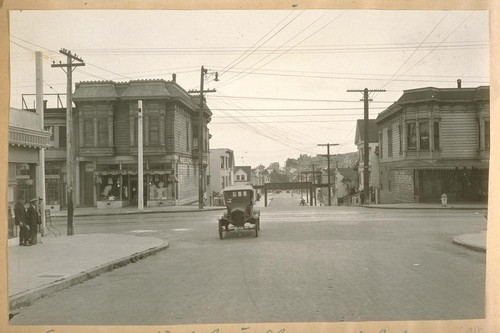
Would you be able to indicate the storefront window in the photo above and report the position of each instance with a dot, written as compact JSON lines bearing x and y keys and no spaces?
{"x":159,"y":187}
{"x":108,"y":187}
{"x":23,"y":169}
{"x":52,"y":191}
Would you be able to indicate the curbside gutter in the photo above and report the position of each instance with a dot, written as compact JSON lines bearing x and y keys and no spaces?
{"x":25,"y":298}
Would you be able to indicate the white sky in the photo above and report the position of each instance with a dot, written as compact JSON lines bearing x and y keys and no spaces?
{"x":296,"y":65}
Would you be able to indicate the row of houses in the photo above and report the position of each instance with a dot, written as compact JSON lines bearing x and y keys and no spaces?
{"x":431,"y":141}
{"x":105,"y":146}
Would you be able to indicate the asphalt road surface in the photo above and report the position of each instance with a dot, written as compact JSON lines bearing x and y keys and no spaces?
{"x":309,"y":264}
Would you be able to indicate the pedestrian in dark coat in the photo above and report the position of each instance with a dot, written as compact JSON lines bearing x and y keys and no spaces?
{"x":21,"y":219}
{"x":33,"y":221}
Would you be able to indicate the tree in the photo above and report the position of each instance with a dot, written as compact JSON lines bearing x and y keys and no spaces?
{"x":277,"y":177}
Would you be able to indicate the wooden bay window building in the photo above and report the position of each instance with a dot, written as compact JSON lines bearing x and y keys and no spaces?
{"x":435,"y":141}
{"x":106,"y":143}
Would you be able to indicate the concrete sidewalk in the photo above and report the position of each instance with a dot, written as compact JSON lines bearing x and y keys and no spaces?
{"x":476,"y":242}
{"x":56,"y":263}
{"x":468,"y":206}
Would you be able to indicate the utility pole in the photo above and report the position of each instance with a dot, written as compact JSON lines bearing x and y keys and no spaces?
{"x":68,"y":68}
{"x":314,"y":183}
{"x":366,"y":156}
{"x":40,"y":170}
{"x":140,"y":158}
{"x":201,"y":177}
{"x":328,"y":168}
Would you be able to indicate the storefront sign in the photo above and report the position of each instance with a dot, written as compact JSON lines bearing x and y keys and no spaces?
{"x":186,"y":160}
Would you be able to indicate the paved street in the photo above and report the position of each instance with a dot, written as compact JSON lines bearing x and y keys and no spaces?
{"x":308,"y":264}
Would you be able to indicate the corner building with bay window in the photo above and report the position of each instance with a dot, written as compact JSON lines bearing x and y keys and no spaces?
{"x":435,"y":141}
{"x":105,"y":140}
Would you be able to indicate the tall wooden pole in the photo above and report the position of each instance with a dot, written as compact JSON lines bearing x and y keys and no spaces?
{"x":200,"y":143}
{"x":366,"y":141}
{"x":140,"y":158}
{"x":328,"y":162}
{"x":70,"y":167}
{"x":41,"y":156}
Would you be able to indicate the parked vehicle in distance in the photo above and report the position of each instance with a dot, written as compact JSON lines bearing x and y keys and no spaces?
{"x":240,"y":214}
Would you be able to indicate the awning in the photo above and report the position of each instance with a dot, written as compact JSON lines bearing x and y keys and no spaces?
{"x":131,"y":172}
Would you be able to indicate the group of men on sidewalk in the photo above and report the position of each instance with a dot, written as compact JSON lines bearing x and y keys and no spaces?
{"x":28,"y":220}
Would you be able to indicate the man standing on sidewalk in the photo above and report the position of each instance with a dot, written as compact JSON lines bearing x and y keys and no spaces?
{"x":22,"y":222}
{"x":33,"y":221}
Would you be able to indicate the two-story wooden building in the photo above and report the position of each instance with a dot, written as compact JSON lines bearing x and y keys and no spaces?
{"x":105,"y":125}
{"x":435,"y":141}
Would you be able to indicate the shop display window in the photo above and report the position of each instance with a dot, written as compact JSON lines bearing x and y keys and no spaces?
{"x":159,"y":187}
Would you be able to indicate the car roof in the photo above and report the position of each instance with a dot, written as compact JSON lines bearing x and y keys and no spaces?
{"x":238,"y":187}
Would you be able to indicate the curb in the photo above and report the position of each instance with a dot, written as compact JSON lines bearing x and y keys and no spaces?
{"x":416,"y":207}
{"x":143,"y":212}
{"x":477,"y":248}
{"x":26,"y":297}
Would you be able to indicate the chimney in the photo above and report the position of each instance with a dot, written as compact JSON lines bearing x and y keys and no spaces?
{"x":459,"y":83}
{"x":174,"y":76}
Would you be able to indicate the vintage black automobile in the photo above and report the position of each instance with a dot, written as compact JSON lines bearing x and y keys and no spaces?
{"x":240,"y":214}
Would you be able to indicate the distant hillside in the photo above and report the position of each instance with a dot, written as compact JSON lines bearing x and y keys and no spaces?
{"x":347,"y":160}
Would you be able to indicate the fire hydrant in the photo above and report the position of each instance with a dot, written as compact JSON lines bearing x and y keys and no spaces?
{"x":444,"y":200}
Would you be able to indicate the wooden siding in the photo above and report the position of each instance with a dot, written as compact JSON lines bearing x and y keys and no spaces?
{"x":459,"y":133}
{"x":181,"y":117}
{"x":188,"y":183}
{"x":394,"y":124}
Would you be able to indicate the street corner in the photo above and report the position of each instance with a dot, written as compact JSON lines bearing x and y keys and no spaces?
{"x":476,"y":242}
{"x":90,"y":255}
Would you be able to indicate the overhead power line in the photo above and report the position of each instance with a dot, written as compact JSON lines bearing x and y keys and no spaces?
{"x":293,"y":99}
{"x":248,"y":52}
{"x":296,"y":109}
{"x":310,"y":49}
